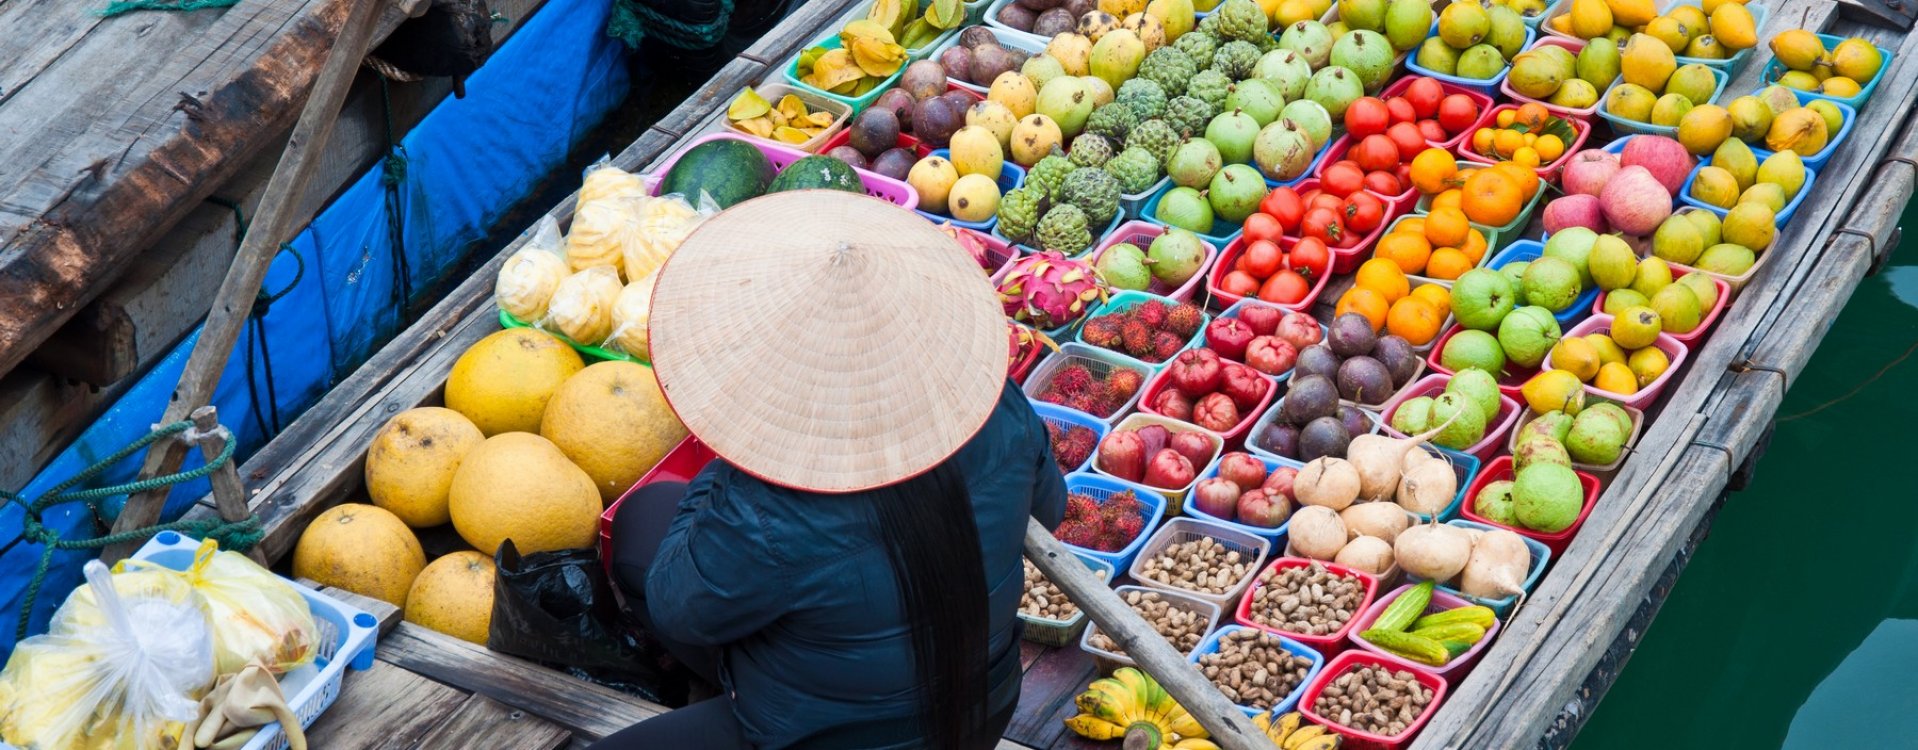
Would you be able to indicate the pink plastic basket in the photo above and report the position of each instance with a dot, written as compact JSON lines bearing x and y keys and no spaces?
{"x":1330,"y":643}
{"x":1510,"y":380}
{"x":1441,"y":601}
{"x":1366,"y":740}
{"x":1142,"y":233}
{"x":1548,"y":172}
{"x":1501,"y":469}
{"x":1674,"y":350}
{"x":877,"y":185}
{"x":1235,"y":437}
{"x":1484,"y":103}
{"x":1689,"y":338}
{"x":1347,"y":259}
{"x":1434,"y":384}
{"x":1572,"y":45}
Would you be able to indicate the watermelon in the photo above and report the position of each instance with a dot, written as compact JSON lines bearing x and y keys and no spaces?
{"x":824,"y":172}
{"x":728,"y":170}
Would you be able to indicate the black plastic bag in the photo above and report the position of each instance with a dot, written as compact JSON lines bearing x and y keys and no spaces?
{"x":558,"y":608}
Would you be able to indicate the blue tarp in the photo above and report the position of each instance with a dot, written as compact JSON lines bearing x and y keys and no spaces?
{"x":465,"y":164}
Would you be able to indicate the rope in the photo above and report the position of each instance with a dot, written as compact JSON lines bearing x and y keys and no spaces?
{"x":1855,"y":389}
{"x":633,"y":21}
{"x":256,"y":328}
{"x":127,"y":6}
{"x":235,"y":535}
{"x":392,"y":176}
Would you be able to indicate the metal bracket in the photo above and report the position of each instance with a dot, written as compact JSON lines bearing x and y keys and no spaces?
{"x":1897,"y":14}
{"x":1744,"y":364}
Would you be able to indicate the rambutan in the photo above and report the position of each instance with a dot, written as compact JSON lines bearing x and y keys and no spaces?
{"x":1072,"y":380}
{"x":1166,"y":345}
{"x":1088,"y":403}
{"x":1081,"y":508}
{"x":1152,"y":313}
{"x":1120,"y":531}
{"x":1077,"y":534}
{"x":1122,"y":505}
{"x":1122,"y":382}
{"x":1079,"y":443}
{"x":1137,"y":338}
{"x":1051,"y":396}
{"x":1184,"y":319}
{"x":1102,"y":331}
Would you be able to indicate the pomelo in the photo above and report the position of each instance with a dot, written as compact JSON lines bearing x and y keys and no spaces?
{"x":360,"y":548}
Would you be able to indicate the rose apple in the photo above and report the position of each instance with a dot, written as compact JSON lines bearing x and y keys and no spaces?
{"x":1270,"y":355}
{"x":1196,"y":372}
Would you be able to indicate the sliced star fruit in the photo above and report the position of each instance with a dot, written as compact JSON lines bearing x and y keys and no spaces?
{"x":749,"y":104}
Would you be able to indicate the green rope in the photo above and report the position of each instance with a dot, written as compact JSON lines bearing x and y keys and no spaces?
{"x":633,"y":21}
{"x":127,"y":6}
{"x":234,"y":535}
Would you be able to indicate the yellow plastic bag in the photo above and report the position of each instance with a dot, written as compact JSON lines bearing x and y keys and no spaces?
{"x":124,"y":666}
{"x":255,"y":615}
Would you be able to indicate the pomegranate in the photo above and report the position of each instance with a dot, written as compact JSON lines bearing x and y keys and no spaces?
{"x":1228,"y":337}
{"x":1244,"y":386}
{"x":1196,"y":372}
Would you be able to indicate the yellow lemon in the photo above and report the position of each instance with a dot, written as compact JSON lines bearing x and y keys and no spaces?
{"x":1616,"y":378}
{"x":1554,"y":390}
{"x":1577,"y":356}
{"x":1608,"y":350}
{"x":1647,"y":364}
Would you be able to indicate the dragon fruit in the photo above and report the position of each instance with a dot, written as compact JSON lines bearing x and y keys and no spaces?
{"x":1050,"y":291}
{"x":971,"y":241}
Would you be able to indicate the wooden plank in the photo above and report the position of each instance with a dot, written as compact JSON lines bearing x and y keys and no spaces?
{"x":808,"y":22}
{"x":383,"y":708}
{"x":717,"y":92}
{"x":482,"y":723}
{"x":587,"y":710}
{"x":1046,"y":693}
{"x":41,"y":414}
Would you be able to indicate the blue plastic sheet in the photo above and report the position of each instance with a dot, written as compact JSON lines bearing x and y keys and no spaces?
{"x":465,"y":165}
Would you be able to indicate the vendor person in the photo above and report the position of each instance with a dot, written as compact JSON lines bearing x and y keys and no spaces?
{"x":848,"y":571}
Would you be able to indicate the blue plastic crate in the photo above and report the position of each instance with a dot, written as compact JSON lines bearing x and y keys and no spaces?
{"x":1623,"y":125}
{"x":1465,"y":466}
{"x":1011,"y":176}
{"x":1062,"y":416}
{"x":1541,"y":557}
{"x":1817,"y":160}
{"x":1731,"y":65}
{"x":1100,"y":487}
{"x":1272,"y":463}
{"x":1211,"y":646}
{"x":1791,"y":206}
{"x":1774,"y":69}
{"x":1486,"y":86}
{"x":1530,"y":250}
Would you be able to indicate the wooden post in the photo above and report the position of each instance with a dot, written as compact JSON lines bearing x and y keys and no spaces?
{"x":234,"y":302}
{"x":229,"y":494}
{"x":1229,"y":727}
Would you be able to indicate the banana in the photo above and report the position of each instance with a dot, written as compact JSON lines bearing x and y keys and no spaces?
{"x":1298,"y":739}
{"x":1283,"y":727}
{"x":1194,"y":743}
{"x":1323,"y":742}
{"x":1184,"y":725}
{"x":1103,"y":706}
{"x":1093,"y":727}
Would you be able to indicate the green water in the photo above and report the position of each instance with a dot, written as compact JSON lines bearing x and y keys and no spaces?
{"x":1796,"y":625}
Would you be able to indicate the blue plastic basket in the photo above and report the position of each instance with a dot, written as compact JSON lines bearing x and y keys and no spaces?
{"x":1011,"y":176}
{"x":1791,"y":207}
{"x":1221,"y":234}
{"x":1100,"y":487}
{"x":1060,"y":633}
{"x":1056,"y":414}
{"x":1530,"y":250}
{"x":1622,"y":125}
{"x":348,"y":637}
{"x":1817,"y":160}
{"x":1731,"y":65}
{"x":1127,"y":300}
{"x":859,"y":103}
{"x":1211,"y":646}
{"x":1774,"y":69}
{"x":1541,"y":557}
{"x":1276,"y":536}
{"x":1486,"y":86}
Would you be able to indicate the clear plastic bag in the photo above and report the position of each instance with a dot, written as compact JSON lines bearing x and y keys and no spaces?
{"x":255,"y":615}
{"x":528,"y":278}
{"x":582,"y":306}
{"x":632,"y":311}
{"x":603,"y":180}
{"x":664,"y":223}
{"x":124,"y":665}
{"x":601,"y":232}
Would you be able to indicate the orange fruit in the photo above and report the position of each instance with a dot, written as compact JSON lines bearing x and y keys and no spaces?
{"x":1408,"y":250}
{"x":1447,"y":199}
{"x":1384,"y":276}
{"x":1410,"y":225}
{"x":1507,"y":141}
{"x":1414,"y":320}
{"x":1448,"y":263}
{"x":1474,"y":246}
{"x":1549,"y":147}
{"x":1438,"y":296}
{"x":1446,"y":227}
{"x":1492,"y":199}
{"x":1526,"y":179}
{"x":1531,"y":138}
{"x":1526,"y":156}
{"x":1482,"y":140}
{"x":1507,"y":117}
{"x":1366,"y":302}
{"x":1532,"y":115}
{"x":1433,"y":170}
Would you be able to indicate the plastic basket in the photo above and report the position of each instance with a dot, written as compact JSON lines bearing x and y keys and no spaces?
{"x":877,"y":185}
{"x":1129,"y":299}
{"x":1142,"y":233}
{"x":1233,"y":437}
{"x":1572,"y":45}
{"x":1229,"y":257}
{"x":858,"y":103}
{"x":1441,"y":601}
{"x":1400,"y":204}
{"x":1330,"y":643}
{"x":347,"y":637}
{"x":1581,"y":131}
{"x":1097,"y":237}
{"x":1101,"y":362}
{"x":1103,"y":486}
{"x":1774,"y":69}
{"x":1638,"y":427}
{"x":815,"y":102}
{"x":1480,"y":99}
{"x":1623,"y":125}
{"x":1221,"y":234}
{"x":1255,"y":440}
{"x":1495,"y":428}
{"x":1211,"y":646}
{"x":1008,"y":38}
{"x":1674,"y":350}
{"x":1531,"y":250}
{"x":1172,"y":494}
{"x":1272,"y":535}
{"x":1349,"y":660}
{"x":999,"y":254}
{"x":1510,"y":380}
{"x":1736,"y":282}
{"x":1791,"y":207}
{"x":1011,"y":176}
{"x":1502,"y":606}
{"x":991,"y":18}
{"x":1692,"y":337}
{"x":1106,"y":661}
{"x":1732,"y":64}
{"x":1501,"y":469}
{"x":1237,"y":309}
{"x":1063,"y":417}
{"x":680,"y":464}
{"x":594,"y":353}
{"x":1132,"y":205}
{"x":1182,"y":530}
{"x":1484,"y":86}
{"x":1060,"y":633}
{"x":905,"y":141}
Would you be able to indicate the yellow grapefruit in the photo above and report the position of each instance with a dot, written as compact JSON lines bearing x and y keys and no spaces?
{"x":409,"y":466}
{"x":519,"y":486}
{"x":454,"y":596}
{"x":503,"y":381}
{"x":612,"y":421}
{"x":360,"y":548}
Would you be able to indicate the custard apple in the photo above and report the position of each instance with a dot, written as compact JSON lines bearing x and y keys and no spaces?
{"x":1169,"y":68}
{"x":1063,"y":229}
{"x":1212,"y":26}
{"x":1197,"y":46}
{"x":1094,"y":192}
{"x":1146,"y":98}
{"x":1112,"y":120}
{"x":1157,"y":138}
{"x":1210,"y":86}
{"x":1019,"y":213}
{"x":1046,"y":175}
{"x":1089,"y":150}
{"x":1243,"y":20}
{"x":1135,"y":168}
{"x":1188,"y":116}
{"x":1236,"y":60}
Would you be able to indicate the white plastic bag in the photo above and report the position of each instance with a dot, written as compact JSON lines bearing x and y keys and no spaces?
{"x":632,"y":311}
{"x":603,"y":180}
{"x":582,"y":306}
{"x":601,"y":232}
{"x":528,"y":278}
{"x":664,"y":223}
{"x":124,"y":666}
{"x":255,"y":615}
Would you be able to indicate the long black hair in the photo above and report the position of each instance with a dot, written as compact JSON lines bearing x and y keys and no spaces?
{"x":932,"y":541}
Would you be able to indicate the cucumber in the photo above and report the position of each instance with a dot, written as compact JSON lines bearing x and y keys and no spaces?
{"x":1456,"y":637}
{"x":1475,"y":614}
{"x":1405,"y":609}
{"x":1417,"y":648}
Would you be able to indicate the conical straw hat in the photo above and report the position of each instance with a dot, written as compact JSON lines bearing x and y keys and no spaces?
{"x":827,"y":341}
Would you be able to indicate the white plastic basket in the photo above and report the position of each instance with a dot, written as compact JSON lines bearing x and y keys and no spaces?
{"x":1107,"y":662}
{"x":1252,"y":548}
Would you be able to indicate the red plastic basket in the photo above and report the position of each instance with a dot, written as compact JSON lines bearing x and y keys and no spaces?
{"x":1366,"y":740}
{"x":1142,"y":233}
{"x":1235,"y":437}
{"x":1574,"y":46}
{"x":1691,"y":337}
{"x":681,"y":464}
{"x":1496,"y":429}
{"x":1510,"y":380}
{"x":1399,"y":204}
{"x":1441,"y":601}
{"x":1347,"y":259}
{"x":1581,"y":129}
{"x":1501,"y":468}
{"x":1676,"y":351}
{"x":1330,"y":643}
{"x":877,"y":185}
{"x":1483,"y":102}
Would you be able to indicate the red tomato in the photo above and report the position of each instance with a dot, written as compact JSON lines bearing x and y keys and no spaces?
{"x":1375,"y":152}
{"x":1384,"y":183}
{"x":1261,"y":226}
{"x":1364,"y":212}
{"x":1284,"y":288}
{"x":1401,"y":110}
{"x":1240,"y":283}
{"x":1367,"y":116}
{"x":1261,"y":259}
{"x":1309,"y":195}
{"x":1309,"y":258}
{"x":1324,"y":224}
{"x":1457,"y":112}
{"x":1285,"y":205}
{"x":1407,"y":137}
{"x":1433,"y":131}
{"x":1424,"y":95}
{"x":1324,"y":200}
{"x":1343,"y":178}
